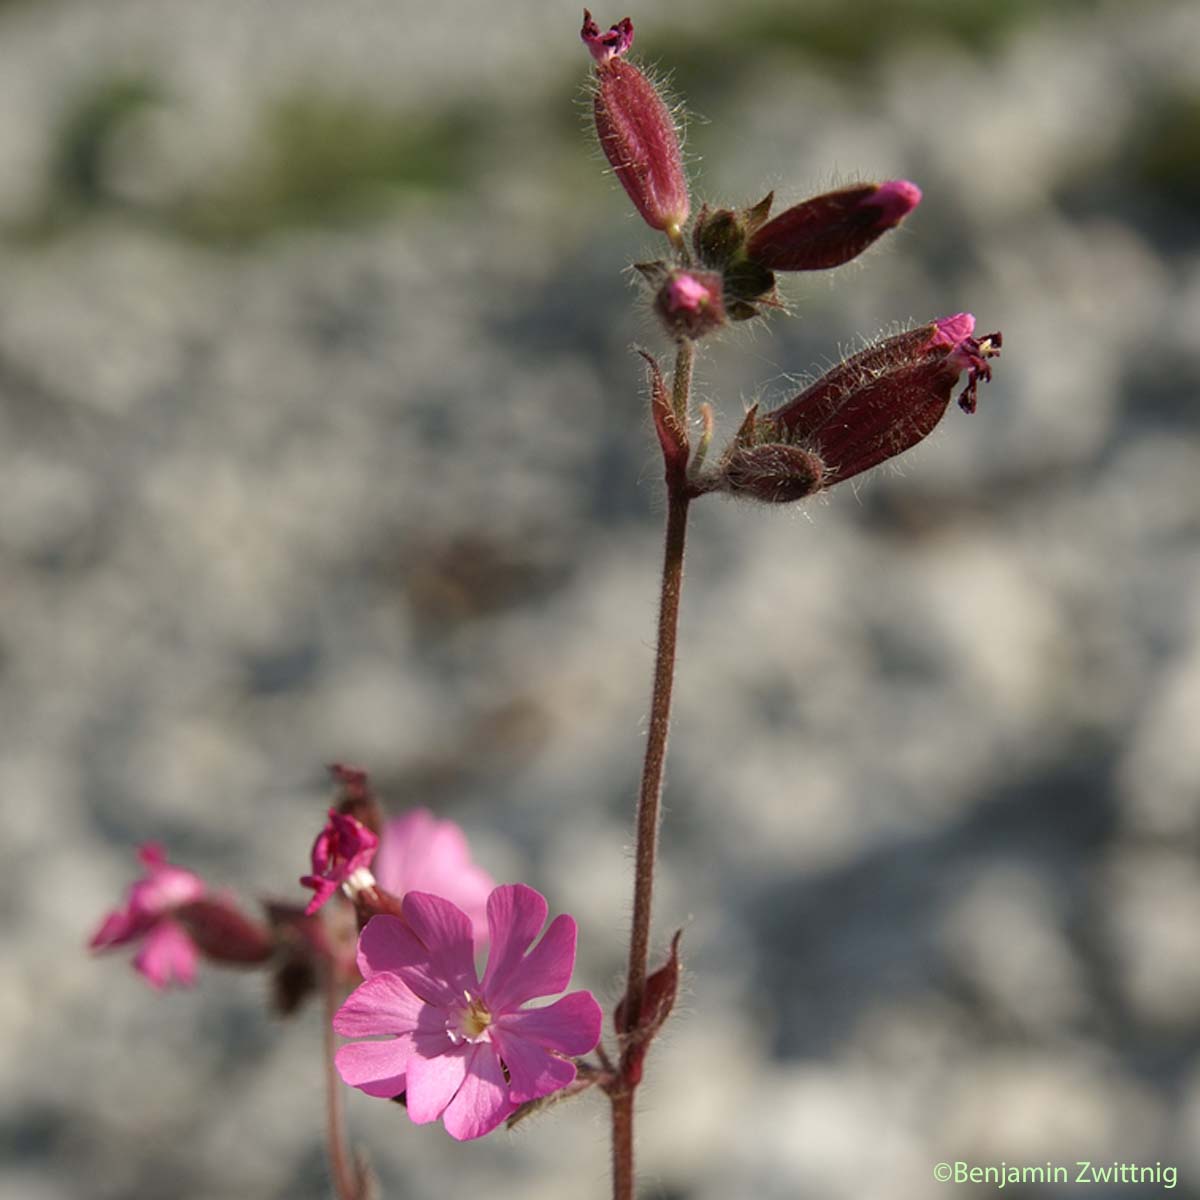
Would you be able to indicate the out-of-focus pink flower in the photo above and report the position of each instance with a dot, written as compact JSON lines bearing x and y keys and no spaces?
{"x":419,"y":853}
{"x":636,"y":130}
{"x":342,"y":848}
{"x":463,"y":1050}
{"x":831,"y":229}
{"x":167,"y":954}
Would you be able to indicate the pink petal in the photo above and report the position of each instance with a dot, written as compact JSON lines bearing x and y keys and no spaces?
{"x":419,"y":853}
{"x":167,"y":955}
{"x":544,"y":971}
{"x":384,"y":1004}
{"x":533,"y":1070}
{"x":323,"y":889}
{"x":445,"y":932}
{"x":432,"y":1082}
{"x":516,"y":914}
{"x":387,"y":944}
{"x":376,"y":1068}
{"x":570,"y":1025}
{"x":402,"y":848}
{"x":483,"y":1101}
{"x":116,"y":929}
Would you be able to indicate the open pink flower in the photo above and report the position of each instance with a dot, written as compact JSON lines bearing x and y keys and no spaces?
{"x":419,"y":853}
{"x":168,"y":953}
{"x":343,"y":847}
{"x":465,"y":1051}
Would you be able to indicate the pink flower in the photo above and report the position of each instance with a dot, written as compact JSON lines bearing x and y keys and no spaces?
{"x":461,"y":1050}
{"x":343,"y":848}
{"x":419,"y":853}
{"x":168,"y":953}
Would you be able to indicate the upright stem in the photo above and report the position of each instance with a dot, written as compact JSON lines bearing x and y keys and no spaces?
{"x":341,"y":1167}
{"x":649,"y":804}
{"x":649,"y":800}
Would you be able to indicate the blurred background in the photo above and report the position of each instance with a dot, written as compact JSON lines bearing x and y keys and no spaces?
{"x":322,"y":438}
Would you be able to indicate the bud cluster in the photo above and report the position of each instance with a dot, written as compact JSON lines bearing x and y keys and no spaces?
{"x":869,"y":408}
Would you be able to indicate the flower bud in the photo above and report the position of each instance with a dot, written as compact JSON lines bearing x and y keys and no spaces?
{"x":832,"y":228}
{"x":690,"y":304}
{"x":223,"y":934}
{"x":885,"y":399}
{"x":636,"y":130}
{"x":774,"y":473}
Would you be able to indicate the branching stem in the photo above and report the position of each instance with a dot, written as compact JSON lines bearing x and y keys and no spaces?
{"x":649,"y":804}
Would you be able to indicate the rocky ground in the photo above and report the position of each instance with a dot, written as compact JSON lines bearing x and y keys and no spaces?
{"x":322,"y":439}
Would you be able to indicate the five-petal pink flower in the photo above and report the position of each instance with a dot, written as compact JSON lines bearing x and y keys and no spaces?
{"x":464,"y":1050}
{"x":167,"y":953}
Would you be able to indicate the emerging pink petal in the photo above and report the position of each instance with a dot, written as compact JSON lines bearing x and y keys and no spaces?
{"x":611,"y":44}
{"x":342,"y":848}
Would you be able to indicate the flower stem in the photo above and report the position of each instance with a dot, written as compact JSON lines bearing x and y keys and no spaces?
{"x":646,"y":854}
{"x":344,"y":1174}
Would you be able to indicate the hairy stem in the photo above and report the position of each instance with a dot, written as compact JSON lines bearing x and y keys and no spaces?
{"x":646,"y":854}
{"x":343,"y":1173}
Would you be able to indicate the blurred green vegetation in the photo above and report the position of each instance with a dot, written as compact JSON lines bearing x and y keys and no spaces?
{"x":323,"y":158}
{"x":1164,"y":156}
{"x":319,"y":157}
{"x":315,"y":158}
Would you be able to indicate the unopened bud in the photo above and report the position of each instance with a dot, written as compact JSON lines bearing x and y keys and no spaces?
{"x":223,"y":934}
{"x":774,"y":473}
{"x":636,"y":130}
{"x":832,"y":228}
{"x":690,"y":304}
{"x":885,"y":399}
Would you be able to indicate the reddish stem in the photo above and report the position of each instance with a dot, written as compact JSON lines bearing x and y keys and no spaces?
{"x":621,"y":1092}
{"x":341,"y":1166}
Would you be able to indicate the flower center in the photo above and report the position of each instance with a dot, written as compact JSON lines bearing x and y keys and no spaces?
{"x":471,"y":1022}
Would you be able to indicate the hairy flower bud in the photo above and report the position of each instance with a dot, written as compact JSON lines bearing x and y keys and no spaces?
{"x":832,"y":228}
{"x":690,"y":304}
{"x":774,"y":473}
{"x":885,"y":399}
{"x":636,"y":130}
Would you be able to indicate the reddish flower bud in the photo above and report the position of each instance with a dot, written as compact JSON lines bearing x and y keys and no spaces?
{"x":223,"y":934}
{"x":833,"y":228}
{"x":690,"y":304}
{"x":885,"y":399}
{"x":637,"y":132}
{"x":662,"y":987}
